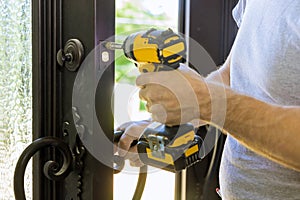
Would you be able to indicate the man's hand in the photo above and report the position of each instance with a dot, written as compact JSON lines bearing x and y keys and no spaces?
{"x":132,"y":131}
{"x":175,"y":97}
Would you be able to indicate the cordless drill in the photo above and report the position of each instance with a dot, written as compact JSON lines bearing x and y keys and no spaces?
{"x":171,"y":148}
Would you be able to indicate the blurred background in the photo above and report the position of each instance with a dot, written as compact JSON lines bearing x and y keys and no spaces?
{"x":132,"y":16}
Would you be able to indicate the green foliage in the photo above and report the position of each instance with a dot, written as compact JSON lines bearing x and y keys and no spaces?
{"x":142,"y":105}
{"x":132,"y":16}
{"x":131,"y":11}
{"x":134,"y":9}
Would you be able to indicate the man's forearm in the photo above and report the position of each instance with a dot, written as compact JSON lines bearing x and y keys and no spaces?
{"x":267,"y":129}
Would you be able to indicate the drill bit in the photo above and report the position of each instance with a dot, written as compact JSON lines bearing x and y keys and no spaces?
{"x":113,"y":45}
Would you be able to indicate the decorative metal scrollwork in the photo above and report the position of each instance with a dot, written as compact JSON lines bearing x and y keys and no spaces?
{"x":52,"y":169}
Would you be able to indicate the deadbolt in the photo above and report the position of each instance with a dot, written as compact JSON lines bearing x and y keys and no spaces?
{"x":71,"y":55}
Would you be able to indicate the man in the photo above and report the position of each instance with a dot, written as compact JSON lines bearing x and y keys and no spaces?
{"x":261,"y":88}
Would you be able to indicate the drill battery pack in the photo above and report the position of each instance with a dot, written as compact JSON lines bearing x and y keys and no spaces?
{"x":170,"y":148}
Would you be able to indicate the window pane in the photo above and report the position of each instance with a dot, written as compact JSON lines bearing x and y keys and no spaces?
{"x":132,"y":16}
{"x":15,"y":91}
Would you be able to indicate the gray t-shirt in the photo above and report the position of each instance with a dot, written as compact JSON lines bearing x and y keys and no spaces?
{"x":265,"y":64}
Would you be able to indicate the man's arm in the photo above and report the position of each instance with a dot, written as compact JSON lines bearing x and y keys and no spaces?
{"x":270,"y":130}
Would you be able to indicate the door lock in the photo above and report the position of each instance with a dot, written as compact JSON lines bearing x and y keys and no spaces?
{"x":71,"y":55}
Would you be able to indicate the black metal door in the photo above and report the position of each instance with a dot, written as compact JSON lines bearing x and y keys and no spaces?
{"x":65,"y":32}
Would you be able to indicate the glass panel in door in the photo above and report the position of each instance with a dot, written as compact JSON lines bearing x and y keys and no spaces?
{"x":15,"y":92}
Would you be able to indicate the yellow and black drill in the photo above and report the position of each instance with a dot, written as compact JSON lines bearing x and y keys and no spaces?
{"x":171,"y":148}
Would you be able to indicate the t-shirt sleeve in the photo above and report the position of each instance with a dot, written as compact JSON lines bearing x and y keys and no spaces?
{"x":238,"y":12}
